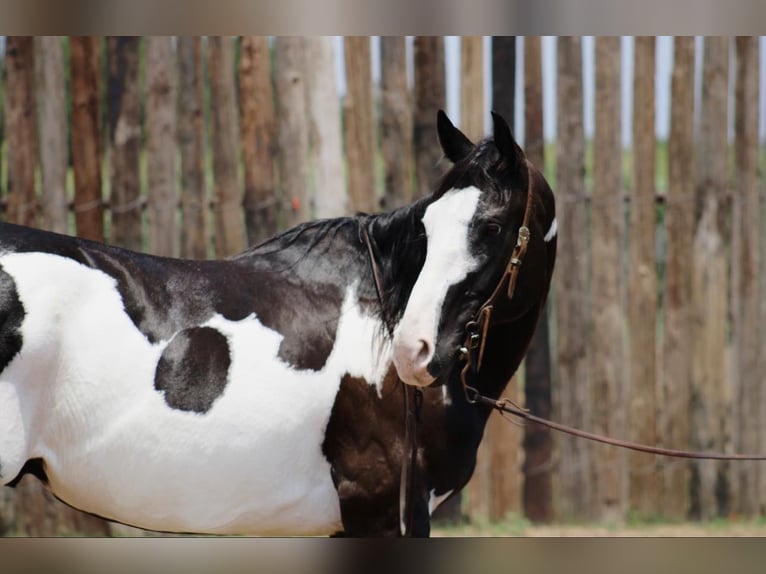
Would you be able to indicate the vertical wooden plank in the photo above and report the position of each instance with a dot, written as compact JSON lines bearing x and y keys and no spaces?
{"x":673,"y":424}
{"x":396,"y":123}
{"x":21,"y":147}
{"x":472,"y":86}
{"x":504,"y":440}
{"x":160,"y":146}
{"x":292,"y":129}
{"x":326,"y":141}
{"x":86,"y":146}
{"x":710,"y":378}
{"x":482,"y":502}
{"x":52,"y":134}
{"x":256,"y":100}
{"x":746,"y":336}
{"x":229,"y":221}
{"x":191,"y":148}
{"x":571,"y":392}
{"x":360,"y":124}
{"x":125,"y":141}
{"x":504,"y":74}
{"x":430,"y":96}
{"x":607,"y":383}
{"x":642,"y":286}
{"x":537,"y":490}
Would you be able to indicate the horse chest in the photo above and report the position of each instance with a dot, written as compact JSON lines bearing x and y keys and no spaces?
{"x":246,"y":457}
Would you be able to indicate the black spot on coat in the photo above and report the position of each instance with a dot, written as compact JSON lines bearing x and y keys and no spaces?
{"x":11,"y":316}
{"x":193,"y":369}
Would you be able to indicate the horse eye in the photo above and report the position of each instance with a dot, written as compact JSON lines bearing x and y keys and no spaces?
{"x":492,"y":230}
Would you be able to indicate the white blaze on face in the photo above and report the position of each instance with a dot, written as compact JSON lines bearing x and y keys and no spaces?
{"x":448,"y":261}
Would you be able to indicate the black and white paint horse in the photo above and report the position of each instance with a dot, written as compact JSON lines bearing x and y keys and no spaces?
{"x":262,"y":394}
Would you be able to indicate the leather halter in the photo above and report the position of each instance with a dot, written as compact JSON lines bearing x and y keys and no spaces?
{"x":472,"y":350}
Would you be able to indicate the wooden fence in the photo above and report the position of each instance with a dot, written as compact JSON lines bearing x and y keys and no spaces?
{"x":199,"y":147}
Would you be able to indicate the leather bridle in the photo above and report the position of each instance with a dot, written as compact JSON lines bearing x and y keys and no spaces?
{"x":472,"y":349}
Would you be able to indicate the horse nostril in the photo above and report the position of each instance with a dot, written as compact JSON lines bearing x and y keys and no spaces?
{"x":424,"y":355}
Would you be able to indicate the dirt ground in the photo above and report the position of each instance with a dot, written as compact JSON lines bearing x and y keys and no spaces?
{"x":712,"y":529}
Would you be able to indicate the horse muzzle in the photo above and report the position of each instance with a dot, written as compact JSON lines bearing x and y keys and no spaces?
{"x":412,"y":355}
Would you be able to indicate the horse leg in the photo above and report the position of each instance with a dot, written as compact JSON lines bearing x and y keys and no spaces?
{"x":378,"y":515}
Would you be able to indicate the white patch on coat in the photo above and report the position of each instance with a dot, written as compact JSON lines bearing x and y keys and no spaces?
{"x":446,"y":399}
{"x":434,"y":501}
{"x":448,"y":261}
{"x":552,"y":231}
{"x":83,"y":385}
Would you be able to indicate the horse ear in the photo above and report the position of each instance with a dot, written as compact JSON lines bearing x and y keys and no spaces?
{"x":504,"y":141}
{"x":454,"y":142}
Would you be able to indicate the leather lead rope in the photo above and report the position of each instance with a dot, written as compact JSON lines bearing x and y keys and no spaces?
{"x":506,"y":406}
{"x":413,"y":406}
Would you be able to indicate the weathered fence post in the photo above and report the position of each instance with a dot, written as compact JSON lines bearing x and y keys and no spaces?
{"x":608,"y":410}
{"x":571,"y":390}
{"x":471,"y":124}
{"x":430,"y":96}
{"x":325,"y":137}
{"x":537,"y":492}
{"x":292,"y":129}
{"x":480,"y":488}
{"x":52,"y":132}
{"x":258,"y":127}
{"x":710,"y":420}
{"x":86,"y":142}
{"x":396,"y":123}
{"x":360,"y":124}
{"x":642,"y":287}
{"x":673,"y":424}
{"x":160,"y":146}
{"x":21,"y":144}
{"x":190,"y":134}
{"x":125,"y":141}
{"x":229,"y":222}
{"x":746,"y":337}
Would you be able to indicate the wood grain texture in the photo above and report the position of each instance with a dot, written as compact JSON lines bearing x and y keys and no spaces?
{"x":326,"y":139}
{"x":430,"y":96}
{"x":21,"y":129}
{"x":571,"y":386}
{"x":190,"y":132}
{"x":642,"y":287}
{"x":124,"y":103}
{"x":608,"y":469}
{"x":292,"y":130}
{"x":360,"y":125}
{"x":396,"y":123}
{"x":710,"y":383}
{"x":52,"y":133}
{"x":259,"y":133}
{"x":227,"y":192}
{"x":86,"y":139}
{"x":673,"y":423}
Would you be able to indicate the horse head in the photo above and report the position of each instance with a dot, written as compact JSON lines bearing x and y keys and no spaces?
{"x":472,"y":226}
